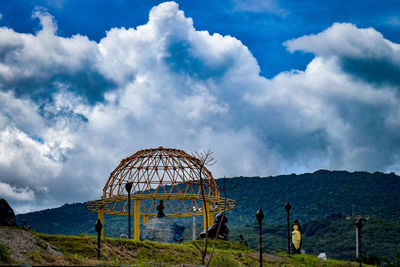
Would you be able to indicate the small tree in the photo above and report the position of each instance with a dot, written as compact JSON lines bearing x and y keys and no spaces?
{"x":225,"y":208}
{"x":206,"y":159}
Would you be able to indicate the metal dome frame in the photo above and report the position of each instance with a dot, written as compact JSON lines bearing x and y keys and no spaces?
{"x":161,"y":173}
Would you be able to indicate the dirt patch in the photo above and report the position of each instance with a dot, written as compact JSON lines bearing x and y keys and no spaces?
{"x":22,"y":243}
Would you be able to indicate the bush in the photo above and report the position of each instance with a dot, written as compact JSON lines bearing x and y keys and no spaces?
{"x":4,"y":253}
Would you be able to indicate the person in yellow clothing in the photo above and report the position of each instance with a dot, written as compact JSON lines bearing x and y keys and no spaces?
{"x":296,"y":237}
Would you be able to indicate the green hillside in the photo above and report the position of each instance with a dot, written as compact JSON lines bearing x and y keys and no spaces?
{"x":81,"y":251}
{"x":314,"y":197}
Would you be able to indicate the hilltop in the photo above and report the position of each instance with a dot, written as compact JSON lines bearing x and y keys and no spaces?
{"x":81,"y":250}
{"x":314,"y":198}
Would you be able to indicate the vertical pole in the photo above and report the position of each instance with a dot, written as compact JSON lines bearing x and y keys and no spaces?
{"x":260,"y":217}
{"x":357,"y":247}
{"x":194,"y":228}
{"x":136,"y":220}
{"x":98,"y":227}
{"x":100,"y":216}
{"x":129,"y":215}
{"x":145,"y":219}
{"x":261,"y":246}
{"x":287,"y":208}
{"x":288,"y":232}
{"x":360,"y":247}
{"x":98,"y":245}
{"x":359,"y":225}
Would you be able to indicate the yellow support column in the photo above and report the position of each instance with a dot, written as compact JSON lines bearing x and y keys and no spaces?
{"x":100,"y":216}
{"x":145,"y":219}
{"x":205,"y":217}
{"x":136,"y":220}
{"x":210,"y":218}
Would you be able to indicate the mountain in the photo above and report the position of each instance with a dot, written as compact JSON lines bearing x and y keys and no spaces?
{"x":313,"y":196}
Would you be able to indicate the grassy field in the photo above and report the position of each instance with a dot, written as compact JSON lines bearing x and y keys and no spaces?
{"x":81,"y":250}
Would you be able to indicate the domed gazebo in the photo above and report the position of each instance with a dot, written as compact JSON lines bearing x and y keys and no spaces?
{"x":161,"y":173}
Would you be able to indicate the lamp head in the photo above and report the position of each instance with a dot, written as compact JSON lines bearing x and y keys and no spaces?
{"x":260,"y":215}
{"x":98,"y":226}
{"x":128,"y":187}
{"x":288,"y":206}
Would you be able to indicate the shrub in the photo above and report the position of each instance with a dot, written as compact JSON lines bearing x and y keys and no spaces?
{"x":4,"y":253}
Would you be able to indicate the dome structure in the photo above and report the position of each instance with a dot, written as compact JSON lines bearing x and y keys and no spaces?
{"x":165,"y":174}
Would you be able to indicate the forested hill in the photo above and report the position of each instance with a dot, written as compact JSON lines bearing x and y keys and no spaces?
{"x":315,"y":195}
{"x":312,"y":195}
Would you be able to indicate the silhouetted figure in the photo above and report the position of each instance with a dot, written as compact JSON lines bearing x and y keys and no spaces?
{"x":220,"y":221}
{"x":160,"y":209}
{"x":296,"y":237}
{"x":242,"y":241}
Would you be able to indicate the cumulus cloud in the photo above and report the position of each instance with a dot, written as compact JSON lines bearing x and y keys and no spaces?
{"x":71,"y":108}
{"x":348,"y":121}
{"x":14,"y":193}
{"x":362,"y":52}
{"x":37,"y":65}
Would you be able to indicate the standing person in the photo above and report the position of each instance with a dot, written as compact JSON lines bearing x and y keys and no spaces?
{"x":296,"y":237}
{"x":242,"y":241}
{"x":160,"y":209}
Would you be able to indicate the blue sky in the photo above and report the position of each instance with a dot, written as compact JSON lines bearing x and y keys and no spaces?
{"x":272,"y":87}
{"x":261,"y":25}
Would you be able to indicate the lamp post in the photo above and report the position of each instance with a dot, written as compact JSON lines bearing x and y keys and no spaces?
{"x":359,"y":225}
{"x":128,"y":188}
{"x":260,"y":217}
{"x":287,"y":208}
{"x":194,"y":223}
{"x":98,"y":228}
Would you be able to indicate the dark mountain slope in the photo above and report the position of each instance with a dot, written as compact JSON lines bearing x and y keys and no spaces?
{"x":312,"y":195}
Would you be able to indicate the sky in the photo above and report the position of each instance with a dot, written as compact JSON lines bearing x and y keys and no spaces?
{"x":271,"y":87}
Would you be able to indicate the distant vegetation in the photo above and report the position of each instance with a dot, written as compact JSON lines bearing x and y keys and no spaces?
{"x":314,"y":198}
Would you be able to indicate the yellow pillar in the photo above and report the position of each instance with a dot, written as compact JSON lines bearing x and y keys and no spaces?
{"x":145,"y":219}
{"x":205,"y":217}
{"x":100,"y":216}
{"x":210,"y":218}
{"x":136,"y":220}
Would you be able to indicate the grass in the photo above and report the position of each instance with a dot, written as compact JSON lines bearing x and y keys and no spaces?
{"x":81,"y":250}
{"x":5,"y":256}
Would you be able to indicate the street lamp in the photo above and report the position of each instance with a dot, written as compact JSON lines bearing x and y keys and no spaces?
{"x":287,"y":208}
{"x":359,"y":224}
{"x":260,"y":217}
{"x":194,"y":208}
{"x":128,"y":188}
{"x":98,"y":228}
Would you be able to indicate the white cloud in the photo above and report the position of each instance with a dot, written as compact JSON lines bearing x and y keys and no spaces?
{"x":165,"y":83}
{"x":346,"y":40}
{"x":344,"y":113}
{"x":14,"y":193}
